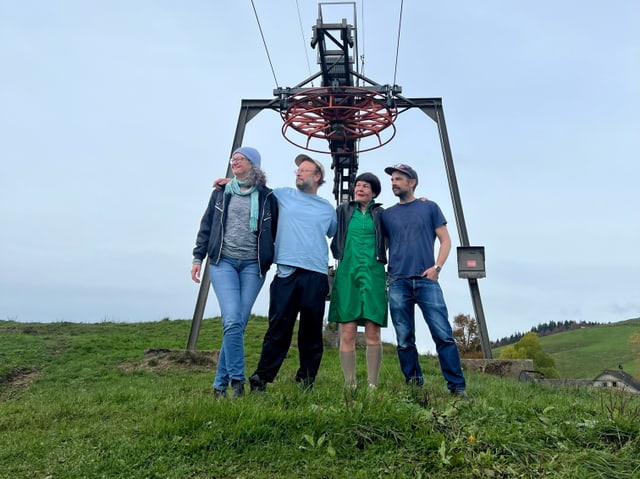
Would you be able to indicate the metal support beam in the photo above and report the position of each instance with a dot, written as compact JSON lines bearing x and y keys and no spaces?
{"x":462,"y":230}
{"x":432,"y":107}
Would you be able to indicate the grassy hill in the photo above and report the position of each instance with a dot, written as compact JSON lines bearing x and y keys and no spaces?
{"x":82,"y":401}
{"x":584,"y":353}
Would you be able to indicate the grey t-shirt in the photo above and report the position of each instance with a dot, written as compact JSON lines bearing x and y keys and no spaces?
{"x":239,"y":241}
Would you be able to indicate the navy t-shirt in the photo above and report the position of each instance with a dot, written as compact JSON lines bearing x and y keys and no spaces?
{"x":410,"y":228}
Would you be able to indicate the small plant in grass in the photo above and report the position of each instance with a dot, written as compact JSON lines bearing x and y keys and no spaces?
{"x":309,"y":443}
{"x":619,"y":404}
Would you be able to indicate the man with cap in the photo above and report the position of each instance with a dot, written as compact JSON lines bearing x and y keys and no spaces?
{"x":300,"y":285}
{"x":411,"y":228}
{"x":237,"y":232}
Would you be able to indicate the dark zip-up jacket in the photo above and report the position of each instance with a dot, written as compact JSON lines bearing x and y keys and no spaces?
{"x":345,"y":212}
{"x":211,"y":233}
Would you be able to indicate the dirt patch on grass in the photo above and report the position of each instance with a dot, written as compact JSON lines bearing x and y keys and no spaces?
{"x":164,"y":359}
{"x":16,"y":380}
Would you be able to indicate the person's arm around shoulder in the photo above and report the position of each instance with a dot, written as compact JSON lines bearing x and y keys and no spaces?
{"x":444,"y":239}
{"x":220,"y":183}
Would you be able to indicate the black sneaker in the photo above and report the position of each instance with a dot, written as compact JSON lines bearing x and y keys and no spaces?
{"x":219,"y":393}
{"x":256,"y":384}
{"x":237,"y":388}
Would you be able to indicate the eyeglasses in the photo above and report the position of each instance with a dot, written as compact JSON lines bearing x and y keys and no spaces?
{"x":235,"y":160}
{"x":301,"y":170}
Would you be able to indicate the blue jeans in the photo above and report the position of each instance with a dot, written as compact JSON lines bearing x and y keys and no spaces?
{"x":404,"y":294}
{"x":236,"y":284}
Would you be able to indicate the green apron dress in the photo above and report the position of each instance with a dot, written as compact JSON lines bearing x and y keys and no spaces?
{"x":359,"y":288}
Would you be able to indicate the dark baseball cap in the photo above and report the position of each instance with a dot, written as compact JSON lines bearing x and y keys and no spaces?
{"x":402,"y":168}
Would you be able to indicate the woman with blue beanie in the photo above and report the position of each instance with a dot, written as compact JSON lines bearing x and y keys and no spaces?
{"x":237,"y":232}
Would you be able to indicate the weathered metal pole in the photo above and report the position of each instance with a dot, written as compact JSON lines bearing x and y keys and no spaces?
{"x":462,"y":227}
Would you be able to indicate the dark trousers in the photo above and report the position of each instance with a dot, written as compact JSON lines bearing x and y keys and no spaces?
{"x":302,"y":292}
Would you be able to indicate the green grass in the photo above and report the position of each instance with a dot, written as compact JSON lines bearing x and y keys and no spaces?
{"x":77,"y":401}
{"x":585,"y":353}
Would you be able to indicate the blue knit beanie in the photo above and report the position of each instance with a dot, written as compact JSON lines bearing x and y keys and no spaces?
{"x":251,"y":153}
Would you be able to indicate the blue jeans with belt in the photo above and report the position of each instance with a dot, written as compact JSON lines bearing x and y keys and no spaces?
{"x":236,"y":283}
{"x":404,"y":295}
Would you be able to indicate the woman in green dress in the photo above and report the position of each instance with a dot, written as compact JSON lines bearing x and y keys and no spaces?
{"x":359,"y":295}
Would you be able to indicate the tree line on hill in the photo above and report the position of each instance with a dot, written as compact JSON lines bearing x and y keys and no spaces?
{"x":545,"y":329}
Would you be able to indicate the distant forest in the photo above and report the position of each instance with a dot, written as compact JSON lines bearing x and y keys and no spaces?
{"x":545,"y":329}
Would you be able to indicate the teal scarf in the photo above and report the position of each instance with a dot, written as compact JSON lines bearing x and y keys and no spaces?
{"x":233,"y":188}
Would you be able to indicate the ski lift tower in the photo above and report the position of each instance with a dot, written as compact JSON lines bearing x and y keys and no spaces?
{"x":345,"y":110}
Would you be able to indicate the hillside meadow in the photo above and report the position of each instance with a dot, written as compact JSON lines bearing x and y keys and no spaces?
{"x":585,"y":353}
{"x":83,"y":401}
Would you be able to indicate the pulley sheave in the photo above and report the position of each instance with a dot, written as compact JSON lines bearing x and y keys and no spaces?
{"x":339,"y":114}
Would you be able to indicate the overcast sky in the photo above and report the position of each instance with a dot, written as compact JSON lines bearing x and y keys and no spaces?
{"x":116,"y":116}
